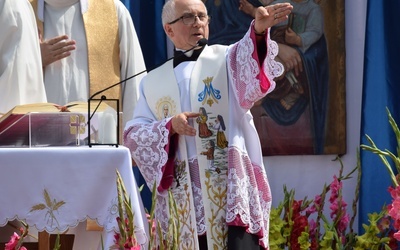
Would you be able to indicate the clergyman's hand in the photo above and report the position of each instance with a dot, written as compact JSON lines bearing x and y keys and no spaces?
{"x":270,"y":15}
{"x":180,"y":123}
{"x":56,"y":49}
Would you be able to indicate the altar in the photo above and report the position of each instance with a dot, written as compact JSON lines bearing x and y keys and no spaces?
{"x":56,"y":188}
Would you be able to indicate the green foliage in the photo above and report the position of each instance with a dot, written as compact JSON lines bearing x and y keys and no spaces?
{"x":328,"y":235}
{"x":385,"y":154}
{"x":159,"y":240}
{"x":126,"y":237}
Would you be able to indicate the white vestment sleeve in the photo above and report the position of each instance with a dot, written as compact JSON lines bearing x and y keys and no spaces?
{"x":21,"y":78}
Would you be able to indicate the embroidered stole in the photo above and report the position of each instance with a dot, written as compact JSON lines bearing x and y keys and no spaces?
{"x":209,"y":96}
{"x":101,"y":26}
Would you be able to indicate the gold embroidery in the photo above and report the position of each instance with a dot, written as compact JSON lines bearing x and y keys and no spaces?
{"x":101,"y":26}
{"x":187,"y":241}
{"x":51,"y":206}
{"x":217,"y":190}
{"x":183,"y":208}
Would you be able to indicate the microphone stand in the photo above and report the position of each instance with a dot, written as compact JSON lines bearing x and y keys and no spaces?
{"x":201,"y":43}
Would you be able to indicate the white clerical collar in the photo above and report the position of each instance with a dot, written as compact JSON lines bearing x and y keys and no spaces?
{"x":188,"y":54}
{"x":60,"y":3}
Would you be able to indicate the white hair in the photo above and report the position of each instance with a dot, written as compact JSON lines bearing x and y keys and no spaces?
{"x":168,"y":12}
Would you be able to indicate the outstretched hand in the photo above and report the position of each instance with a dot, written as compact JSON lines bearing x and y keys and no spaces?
{"x":268,"y":16}
{"x":180,"y":124}
{"x":55,"y":49}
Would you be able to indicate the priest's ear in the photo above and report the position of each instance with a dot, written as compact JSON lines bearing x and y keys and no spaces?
{"x":168,"y":30}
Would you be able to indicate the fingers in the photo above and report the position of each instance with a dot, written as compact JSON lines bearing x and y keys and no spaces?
{"x":60,"y":54}
{"x":296,"y":70}
{"x":69,"y":45}
{"x":56,"y":49}
{"x":280,"y":11}
{"x":295,"y":64}
{"x":271,"y":15}
{"x":180,"y":124}
{"x":59,"y":42}
{"x":191,"y":114}
{"x":56,"y":39}
{"x":299,"y":67}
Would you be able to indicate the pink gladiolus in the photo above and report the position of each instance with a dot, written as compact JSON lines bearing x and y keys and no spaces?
{"x":317,"y":204}
{"x":13,"y":242}
{"x":394,"y":208}
{"x":312,"y":227}
{"x":334,"y":208}
{"x":343,"y":223}
{"x":394,"y":192}
{"x":335,"y":188}
{"x":296,"y":207}
{"x":116,"y":237}
{"x":396,"y":235}
{"x":152,"y":223}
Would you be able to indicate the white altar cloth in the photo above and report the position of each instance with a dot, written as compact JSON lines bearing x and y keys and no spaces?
{"x":55,"y":188}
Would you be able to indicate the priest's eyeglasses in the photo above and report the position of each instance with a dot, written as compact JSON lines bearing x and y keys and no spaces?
{"x":189,"y":19}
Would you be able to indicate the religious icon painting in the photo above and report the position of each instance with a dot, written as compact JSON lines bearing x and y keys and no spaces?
{"x":306,"y":112}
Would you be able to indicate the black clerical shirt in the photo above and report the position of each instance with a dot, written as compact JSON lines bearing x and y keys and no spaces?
{"x":180,"y":57}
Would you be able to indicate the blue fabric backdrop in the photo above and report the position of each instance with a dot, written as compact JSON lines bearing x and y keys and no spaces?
{"x":381,"y":89}
{"x":146,"y":15}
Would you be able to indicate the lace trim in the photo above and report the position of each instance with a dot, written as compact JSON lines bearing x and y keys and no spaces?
{"x":245,"y":70}
{"x":272,"y":68}
{"x":197,"y":196}
{"x":249,"y":196}
{"x":147,"y":149}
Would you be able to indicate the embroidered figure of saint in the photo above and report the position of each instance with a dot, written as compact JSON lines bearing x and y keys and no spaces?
{"x":210,"y":156}
{"x":220,"y":127}
{"x":204,"y":131}
{"x":166,"y":110}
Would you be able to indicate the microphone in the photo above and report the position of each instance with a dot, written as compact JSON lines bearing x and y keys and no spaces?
{"x":200,"y":43}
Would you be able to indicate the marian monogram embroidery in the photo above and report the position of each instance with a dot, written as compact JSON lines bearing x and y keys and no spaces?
{"x":209,"y":95}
